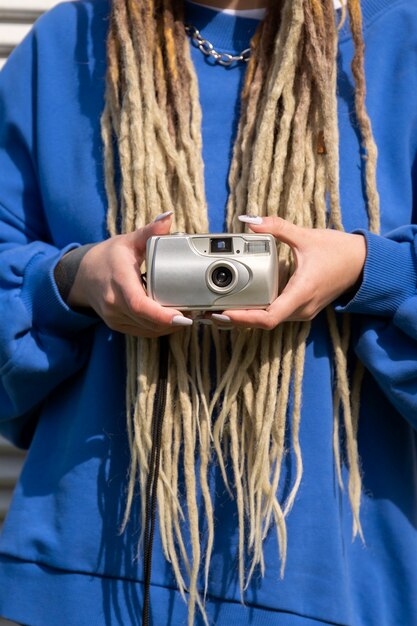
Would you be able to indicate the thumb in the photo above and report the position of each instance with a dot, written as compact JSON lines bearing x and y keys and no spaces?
{"x":160,"y":226}
{"x":283,"y":230}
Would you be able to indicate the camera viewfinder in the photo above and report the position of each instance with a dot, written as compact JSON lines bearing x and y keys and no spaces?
{"x":220,"y":245}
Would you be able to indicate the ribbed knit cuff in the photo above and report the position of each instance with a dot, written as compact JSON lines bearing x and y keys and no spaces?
{"x":389,"y":277}
{"x":42,"y":298}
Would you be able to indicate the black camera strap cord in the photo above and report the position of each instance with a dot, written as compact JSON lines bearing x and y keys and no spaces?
{"x":153,"y":473}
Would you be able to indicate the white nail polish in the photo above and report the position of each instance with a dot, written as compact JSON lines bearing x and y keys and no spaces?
{"x":220,"y":317}
{"x":180,"y":320}
{"x":251,"y":219}
{"x":163,"y":216}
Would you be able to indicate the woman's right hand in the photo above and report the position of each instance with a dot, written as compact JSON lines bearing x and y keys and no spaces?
{"x":108,"y":280}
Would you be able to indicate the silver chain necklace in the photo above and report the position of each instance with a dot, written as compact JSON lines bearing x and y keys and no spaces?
{"x":207,"y":48}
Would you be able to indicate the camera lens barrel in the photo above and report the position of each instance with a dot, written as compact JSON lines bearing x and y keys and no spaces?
{"x":221,"y":276}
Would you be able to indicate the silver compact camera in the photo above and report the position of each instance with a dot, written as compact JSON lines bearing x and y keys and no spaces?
{"x":212,"y":272}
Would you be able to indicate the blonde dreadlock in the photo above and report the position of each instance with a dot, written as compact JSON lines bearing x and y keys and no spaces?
{"x":285,"y":163}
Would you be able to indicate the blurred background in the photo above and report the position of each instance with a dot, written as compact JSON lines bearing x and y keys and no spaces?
{"x":16,"y":19}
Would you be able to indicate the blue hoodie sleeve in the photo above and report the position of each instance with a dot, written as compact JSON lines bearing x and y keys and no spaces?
{"x":42,"y":341}
{"x":386,"y":341}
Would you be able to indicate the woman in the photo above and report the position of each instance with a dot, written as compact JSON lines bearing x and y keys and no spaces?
{"x":270,"y":428}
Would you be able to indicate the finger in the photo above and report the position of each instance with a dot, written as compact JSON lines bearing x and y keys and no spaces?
{"x":141,"y":307}
{"x":281,"y":310}
{"x":140,"y":324}
{"x":160,"y":226}
{"x":128,"y":299}
{"x":120,"y":319}
{"x":134,"y":302}
{"x":142,"y":328}
{"x":178,"y":321}
{"x":283,"y":230}
{"x":137,"y":331}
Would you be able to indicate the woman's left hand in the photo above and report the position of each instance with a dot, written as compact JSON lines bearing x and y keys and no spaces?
{"x":328,"y":263}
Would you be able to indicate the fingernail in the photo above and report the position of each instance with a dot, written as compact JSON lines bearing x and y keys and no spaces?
{"x":251,"y":219}
{"x":180,"y":320}
{"x":220,"y":317}
{"x":163,"y":216}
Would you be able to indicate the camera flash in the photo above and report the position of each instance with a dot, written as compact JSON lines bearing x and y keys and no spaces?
{"x":257,"y":247}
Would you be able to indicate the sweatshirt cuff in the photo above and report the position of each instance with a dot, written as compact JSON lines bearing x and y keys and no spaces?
{"x":389,"y":277}
{"x":43,"y":301}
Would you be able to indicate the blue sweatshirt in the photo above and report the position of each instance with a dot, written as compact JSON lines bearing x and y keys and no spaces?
{"x":62,"y":559}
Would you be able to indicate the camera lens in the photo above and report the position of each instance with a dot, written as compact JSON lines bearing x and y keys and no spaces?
{"x":222,"y":277}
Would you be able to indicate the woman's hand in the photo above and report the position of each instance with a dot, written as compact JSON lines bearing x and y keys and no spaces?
{"x":108,"y":280}
{"x":328,"y":263}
